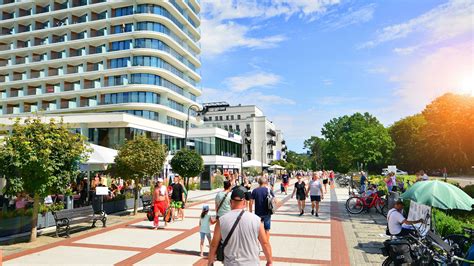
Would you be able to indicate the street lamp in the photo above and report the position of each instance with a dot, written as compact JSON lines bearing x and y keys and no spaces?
{"x":186,"y":128}
{"x":263,"y":145}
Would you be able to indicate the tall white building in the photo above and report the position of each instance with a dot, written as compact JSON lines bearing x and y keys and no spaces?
{"x":262,"y":140}
{"x":116,"y":68}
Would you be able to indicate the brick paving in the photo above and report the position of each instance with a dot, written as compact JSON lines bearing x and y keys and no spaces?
{"x":364,"y":233}
{"x":295,"y":240}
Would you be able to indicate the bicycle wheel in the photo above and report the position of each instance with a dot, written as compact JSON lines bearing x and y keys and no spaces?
{"x":382,"y":207}
{"x":355,"y":205}
{"x":460,"y":244}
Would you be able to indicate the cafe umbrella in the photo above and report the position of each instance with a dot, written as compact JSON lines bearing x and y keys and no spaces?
{"x":440,"y":195}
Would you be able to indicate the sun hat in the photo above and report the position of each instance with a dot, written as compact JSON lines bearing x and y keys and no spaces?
{"x":160,"y":180}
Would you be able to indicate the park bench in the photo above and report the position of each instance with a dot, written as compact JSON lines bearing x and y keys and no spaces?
{"x":66,"y":218}
{"x":146,"y":201}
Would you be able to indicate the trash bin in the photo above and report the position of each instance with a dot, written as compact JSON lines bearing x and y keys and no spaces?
{"x":97,"y":203}
{"x":392,"y":197}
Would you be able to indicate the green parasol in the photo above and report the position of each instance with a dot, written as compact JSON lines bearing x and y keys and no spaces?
{"x":440,"y":195}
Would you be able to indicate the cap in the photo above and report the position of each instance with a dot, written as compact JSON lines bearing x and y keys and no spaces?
{"x":205,"y":207}
{"x":160,"y":180}
{"x":238,"y":193}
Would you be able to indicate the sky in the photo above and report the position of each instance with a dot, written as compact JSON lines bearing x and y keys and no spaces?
{"x":305,"y":62}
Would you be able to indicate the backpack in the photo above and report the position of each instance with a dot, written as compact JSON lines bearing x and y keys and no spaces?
{"x":271,"y":203}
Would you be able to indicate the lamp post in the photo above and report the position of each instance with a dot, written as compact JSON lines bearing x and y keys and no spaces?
{"x":263,"y":145}
{"x":186,"y":128}
{"x":241,"y":158}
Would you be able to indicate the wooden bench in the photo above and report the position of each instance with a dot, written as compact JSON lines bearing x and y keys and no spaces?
{"x":146,"y":201}
{"x":65,"y":218}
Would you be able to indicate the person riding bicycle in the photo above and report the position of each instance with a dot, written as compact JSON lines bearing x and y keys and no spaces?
{"x":396,"y":219}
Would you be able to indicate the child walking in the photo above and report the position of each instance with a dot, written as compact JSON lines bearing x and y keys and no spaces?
{"x":205,"y":226}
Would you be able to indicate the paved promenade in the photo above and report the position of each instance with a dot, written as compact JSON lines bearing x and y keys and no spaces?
{"x":295,"y":240}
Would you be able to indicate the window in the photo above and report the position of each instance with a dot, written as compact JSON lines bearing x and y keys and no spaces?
{"x":119,"y":62}
{"x":220,"y":117}
{"x":226,"y":128}
{"x":124,"y":11}
{"x":237,"y":128}
{"x":131,"y":97}
{"x":122,"y":28}
{"x":232,"y":117}
{"x":230,"y":128}
{"x":175,"y":105}
{"x":117,"y":80}
{"x":121,"y":45}
{"x":174,"y":122}
{"x":210,"y":118}
{"x":226,"y":117}
{"x":238,"y":117}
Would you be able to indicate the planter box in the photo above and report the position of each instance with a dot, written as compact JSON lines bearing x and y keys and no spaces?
{"x":15,"y":225}
{"x":120,"y":205}
{"x":46,"y":220}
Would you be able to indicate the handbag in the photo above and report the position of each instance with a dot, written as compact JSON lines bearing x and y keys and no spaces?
{"x":150,"y":214}
{"x":220,"y":204}
{"x":220,"y":248}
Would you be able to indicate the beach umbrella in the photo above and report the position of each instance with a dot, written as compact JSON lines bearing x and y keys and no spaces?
{"x":440,"y":195}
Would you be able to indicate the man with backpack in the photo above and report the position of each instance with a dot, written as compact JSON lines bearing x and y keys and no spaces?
{"x":222,"y":200}
{"x":263,"y":198}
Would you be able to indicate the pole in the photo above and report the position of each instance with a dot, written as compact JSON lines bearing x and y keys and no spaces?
{"x":241,"y":159}
{"x":186,"y":128}
{"x":263,"y":144}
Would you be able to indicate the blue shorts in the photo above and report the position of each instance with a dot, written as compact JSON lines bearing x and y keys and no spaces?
{"x":267,"y":221}
{"x":315,"y":198}
{"x":204,"y":235}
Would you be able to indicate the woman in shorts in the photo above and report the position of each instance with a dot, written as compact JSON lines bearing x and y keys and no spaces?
{"x":300,"y":191}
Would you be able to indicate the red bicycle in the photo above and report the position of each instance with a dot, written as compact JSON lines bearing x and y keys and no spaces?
{"x":357,"y":204}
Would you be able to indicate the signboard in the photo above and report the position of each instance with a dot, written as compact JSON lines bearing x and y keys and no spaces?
{"x":392,"y":168}
{"x":419,"y":211}
{"x":102,"y":191}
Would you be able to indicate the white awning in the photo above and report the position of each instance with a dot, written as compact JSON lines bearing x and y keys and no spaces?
{"x":276,"y":167}
{"x":254,"y":163}
{"x":100,"y":158}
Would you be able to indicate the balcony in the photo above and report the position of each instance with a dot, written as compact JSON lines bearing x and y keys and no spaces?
{"x":68,"y":103}
{"x":81,"y":19}
{"x":37,"y":57}
{"x":24,"y":28}
{"x":60,"y":6}
{"x":78,"y":35}
{"x":24,"y":12}
{"x":71,"y":86}
{"x":76,"y":3}
{"x":58,"y":39}
{"x":248,"y":131}
{"x":248,"y":152}
{"x":283,"y":142}
{"x":7,"y":31}
{"x":98,"y":16}
{"x":271,"y":142}
{"x":49,"y":105}
{"x":270,"y":152}
{"x":7,"y":15}
{"x":13,"y":109}
{"x":3,"y":62}
{"x":16,"y":92}
{"x":19,"y":75}
{"x":20,"y":60}
{"x":41,"y":25}
{"x":33,"y":90}
{"x":248,"y":140}
{"x":60,"y":22}
{"x":42,"y":9}
{"x":4,"y":47}
{"x":41,"y":41}
{"x":30,"y":107}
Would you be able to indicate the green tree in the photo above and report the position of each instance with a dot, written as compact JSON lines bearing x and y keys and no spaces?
{"x":279,"y":162}
{"x":359,"y":138}
{"x":409,"y":152}
{"x":137,"y":159}
{"x":449,"y":132}
{"x":298,"y":161}
{"x":316,"y":147}
{"x":40,"y":159}
{"x":187,"y":163}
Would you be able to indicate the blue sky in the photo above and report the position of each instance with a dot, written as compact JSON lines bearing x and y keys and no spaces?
{"x":307,"y":61}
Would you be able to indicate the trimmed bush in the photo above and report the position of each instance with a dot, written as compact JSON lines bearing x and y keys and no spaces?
{"x":446,"y":224}
{"x":469,"y":190}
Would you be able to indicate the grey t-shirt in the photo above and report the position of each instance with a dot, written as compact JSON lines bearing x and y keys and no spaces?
{"x":315,"y":188}
{"x":225,"y":208}
{"x":243,"y":246}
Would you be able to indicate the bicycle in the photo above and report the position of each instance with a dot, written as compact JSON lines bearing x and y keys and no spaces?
{"x":461,"y":243}
{"x":357,"y":204}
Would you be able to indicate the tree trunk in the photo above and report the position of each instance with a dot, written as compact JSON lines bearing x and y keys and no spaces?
{"x":135,"y":196}
{"x":34,"y":218}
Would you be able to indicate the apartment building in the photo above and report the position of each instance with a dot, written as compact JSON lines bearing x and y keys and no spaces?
{"x":262,"y":140}
{"x":113,"y":68}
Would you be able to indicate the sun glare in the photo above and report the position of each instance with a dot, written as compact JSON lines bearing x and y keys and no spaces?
{"x":467,"y":85}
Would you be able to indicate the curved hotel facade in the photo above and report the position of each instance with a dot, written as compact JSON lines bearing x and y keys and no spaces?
{"x":111,"y":69}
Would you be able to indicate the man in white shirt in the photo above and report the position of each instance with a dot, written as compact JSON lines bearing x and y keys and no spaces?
{"x":395,"y":220}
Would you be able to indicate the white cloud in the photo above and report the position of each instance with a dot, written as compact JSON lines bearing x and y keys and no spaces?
{"x":252,"y":80}
{"x":351,"y":17}
{"x":444,"y":22}
{"x":377,"y":70}
{"x":406,"y":50}
{"x":219,"y":37}
{"x":263,"y":100}
{"x":327,"y":82}
{"x":222,"y":31}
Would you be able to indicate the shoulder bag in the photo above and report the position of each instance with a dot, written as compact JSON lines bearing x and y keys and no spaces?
{"x":220,"y":248}
{"x":220,"y":204}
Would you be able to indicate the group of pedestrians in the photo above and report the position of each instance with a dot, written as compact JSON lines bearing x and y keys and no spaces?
{"x":314,"y":190}
{"x":168,"y":202}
